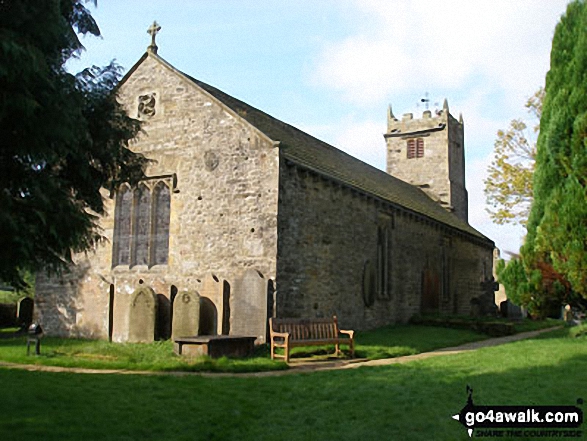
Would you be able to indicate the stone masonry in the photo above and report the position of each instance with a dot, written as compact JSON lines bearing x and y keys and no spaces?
{"x":440,"y":172}
{"x":223,"y":206}
{"x":265,"y":218}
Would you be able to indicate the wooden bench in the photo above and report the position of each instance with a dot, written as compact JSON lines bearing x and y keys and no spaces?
{"x":288,"y":333}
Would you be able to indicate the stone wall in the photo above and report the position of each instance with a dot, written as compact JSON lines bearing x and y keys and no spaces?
{"x":255,"y":236}
{"x":329,"y":233}
{"x":223,"y":174}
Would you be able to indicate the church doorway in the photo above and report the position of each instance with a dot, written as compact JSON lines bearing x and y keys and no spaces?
{"x":430,"y":291}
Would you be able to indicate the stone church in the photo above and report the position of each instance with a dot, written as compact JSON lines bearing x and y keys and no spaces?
{"x":246,"y":217}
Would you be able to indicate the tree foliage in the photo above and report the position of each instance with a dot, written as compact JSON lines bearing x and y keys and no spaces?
{"x":554,"y":255}
{"x":63,"y":137}
{"x":508,"y":187}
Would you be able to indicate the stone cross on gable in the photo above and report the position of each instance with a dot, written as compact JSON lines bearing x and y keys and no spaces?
{"x":153,"y":30}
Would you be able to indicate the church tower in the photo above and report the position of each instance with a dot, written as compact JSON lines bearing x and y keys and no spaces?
{"x":429,"y":153}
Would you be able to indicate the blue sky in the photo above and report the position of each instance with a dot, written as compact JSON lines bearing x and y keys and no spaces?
{"x":331,"y":67}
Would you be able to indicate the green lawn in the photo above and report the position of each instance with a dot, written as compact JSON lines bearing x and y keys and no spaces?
{"x":412,"y":401}
{"x":382,"y":343}
{"x":9,"y":296}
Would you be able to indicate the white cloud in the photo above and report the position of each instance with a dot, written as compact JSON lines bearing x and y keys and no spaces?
{"x":487,"y":57}
{"x":446,"y":44}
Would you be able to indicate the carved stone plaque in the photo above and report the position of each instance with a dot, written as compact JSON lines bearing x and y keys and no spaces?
{"x":147,"y":105}
{"x":211,"y":160}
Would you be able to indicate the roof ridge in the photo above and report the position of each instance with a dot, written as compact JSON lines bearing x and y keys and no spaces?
{"x":322,"y":157}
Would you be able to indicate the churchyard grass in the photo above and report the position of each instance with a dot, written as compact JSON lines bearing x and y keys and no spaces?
{"x":9,"y":296}
{"x":407,"y":401}
{"x":381,"y":343}
{"x":158,"y":356}
{"x":98,"y":354}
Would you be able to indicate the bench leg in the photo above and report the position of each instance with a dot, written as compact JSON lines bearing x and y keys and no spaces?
{"x":272,"y":351}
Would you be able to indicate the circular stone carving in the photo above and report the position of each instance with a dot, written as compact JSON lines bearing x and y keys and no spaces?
{"x":211,"y":160}
{"x":147,"y":103}
{"x":185,"y":298}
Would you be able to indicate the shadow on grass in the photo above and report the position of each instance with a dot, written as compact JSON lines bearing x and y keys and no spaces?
{"x":413,"y":401}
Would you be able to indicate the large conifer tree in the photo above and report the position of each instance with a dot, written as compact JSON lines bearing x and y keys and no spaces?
{"x":557,"y":226}
{"x":62,"y":137}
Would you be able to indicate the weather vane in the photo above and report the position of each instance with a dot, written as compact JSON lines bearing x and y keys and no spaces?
{"x":153,"y":30}
{"x":426,"y":100}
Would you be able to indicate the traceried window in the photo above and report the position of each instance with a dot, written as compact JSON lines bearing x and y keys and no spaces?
{"x":415,"y":148}
{"x":141,"y":225}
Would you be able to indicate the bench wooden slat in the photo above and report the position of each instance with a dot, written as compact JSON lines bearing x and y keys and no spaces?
{"x":289,"y":333}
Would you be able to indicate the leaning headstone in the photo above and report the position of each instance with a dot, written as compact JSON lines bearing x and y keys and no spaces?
{"x":186,"y":314}
{"x":248,"y":306}
{"x":24,"y":311}
{"x":142,"y":316}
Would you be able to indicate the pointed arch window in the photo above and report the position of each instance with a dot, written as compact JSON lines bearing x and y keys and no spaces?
{"x":384,"y":227}
{"x":160,"y":221}
{"x":122,"y":227}
{"x":141,"y":226}
{"x":383,"y":262}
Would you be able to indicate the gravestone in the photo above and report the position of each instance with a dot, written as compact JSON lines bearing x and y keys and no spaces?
{"x":248,"y":306}
{"x":217,"y":293}
{"x":186,"y":314}
{"x":24,"y":311}
{"x":142,"y":316}
{"x":511,"y":311}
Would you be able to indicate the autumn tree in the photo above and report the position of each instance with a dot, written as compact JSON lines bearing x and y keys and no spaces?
{"x":508,"y":187}
{"x":63,"y":137}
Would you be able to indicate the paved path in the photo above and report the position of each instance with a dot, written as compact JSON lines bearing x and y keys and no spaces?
{"x":302,"y":366}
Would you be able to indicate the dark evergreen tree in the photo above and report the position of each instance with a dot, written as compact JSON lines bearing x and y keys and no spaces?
{"x":557,"y":225}
{"x":63,"y":137}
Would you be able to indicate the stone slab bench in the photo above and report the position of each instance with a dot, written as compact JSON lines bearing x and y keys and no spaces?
{"x":215,"y":346}
{"x":288,"y":333}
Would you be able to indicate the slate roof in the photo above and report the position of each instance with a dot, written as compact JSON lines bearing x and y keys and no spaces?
{"x":318,"y":156}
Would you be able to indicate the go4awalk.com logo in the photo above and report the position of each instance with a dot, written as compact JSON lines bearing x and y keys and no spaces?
{"x":523,"y":421}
